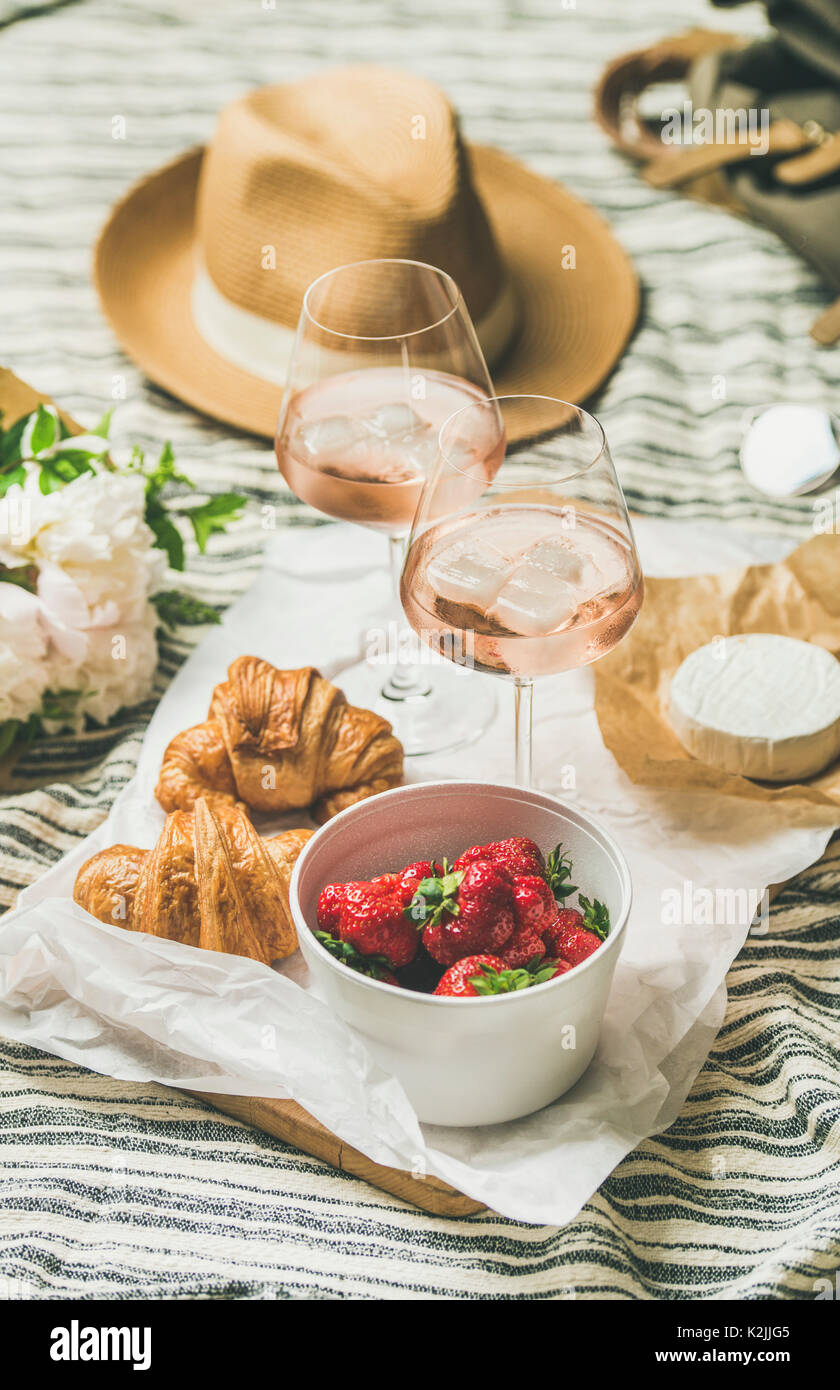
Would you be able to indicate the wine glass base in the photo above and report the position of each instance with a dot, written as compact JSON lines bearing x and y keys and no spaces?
{"x":456,"y":707}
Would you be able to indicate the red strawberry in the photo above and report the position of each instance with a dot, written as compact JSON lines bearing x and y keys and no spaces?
{"x":557,"y":967}
{"x":475,"y":914}
{"x":568,"y":938}
{"x":534,"y":909}
{"x":411,"y":877}
{"x":375,"y":923}
{"x":330,"y":904}
{"x":456,"y":982}
{"x":385,"y":883}
{"x":523,"y":948}
{"x":578,"y":944}
{"x":518,"y":854}
{"x":482,"y":975}
{"x":533,"y":904}
{"x":566,"y":920}
{"x":335,"y":895}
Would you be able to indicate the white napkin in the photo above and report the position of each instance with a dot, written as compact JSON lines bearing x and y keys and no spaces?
{"x":141,"y":1009}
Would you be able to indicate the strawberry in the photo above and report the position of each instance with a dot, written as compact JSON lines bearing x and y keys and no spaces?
{"x":385,"y":883}
{"x":411,"y":877}
{"x":465,"y":912}
{"x":457,"y":982}
{"x":533,"y":904}
{"x":482,"y":975}
{"x":578,"y":944}
{"x":523,"y":948}
{"x":335,"y":895}
{"x":517,"y":854}
{"x":330,"y":904}
{"x":568,"y":919}
{"x":568,"y":938}
{"x":373,"y":920}
{"x":534,"y":909}
{"x":375,"y":967}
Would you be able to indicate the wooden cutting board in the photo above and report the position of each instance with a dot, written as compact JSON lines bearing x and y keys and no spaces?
{"x":288,"y":1121}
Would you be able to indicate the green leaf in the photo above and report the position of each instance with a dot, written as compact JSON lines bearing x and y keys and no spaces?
{"x":104,"y":425}
{"x":558,"y":874}
{"x":375,"y":967}
{"x":176,"y":609}
{"x":61,"y":704}
{"x":596,"y":917}
{"x":167,"y":536}
{"x":10,"y":443}
{"x":492,"y":981}
{"x":8,"y":733}
{"x":435,"y":898}
{"x":214,"y":515}
{"x":15,"y":733}
{"x":71,"y":460}
{"x":43,"y":431}
{"x":164,"y":471}
{"x":25,"y":576}
{"x":48,"y":481}
{"x":7,"y":480}
{"x":542,"y":971}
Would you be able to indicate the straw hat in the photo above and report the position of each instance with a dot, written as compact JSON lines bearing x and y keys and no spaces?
{"x":202,"y":267}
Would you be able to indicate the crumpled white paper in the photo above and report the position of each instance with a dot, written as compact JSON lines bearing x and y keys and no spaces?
{"x":141,"y":1008}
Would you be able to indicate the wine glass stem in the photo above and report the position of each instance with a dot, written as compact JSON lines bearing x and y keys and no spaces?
{"x":406,"y":679}
{"x":524,"y":736}
{"x":396,"y":554}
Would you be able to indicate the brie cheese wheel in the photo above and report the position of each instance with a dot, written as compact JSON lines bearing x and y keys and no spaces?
{"x":761,"y":705}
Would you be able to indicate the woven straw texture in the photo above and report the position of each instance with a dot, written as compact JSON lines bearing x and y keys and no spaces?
{"x":128,"y":1191}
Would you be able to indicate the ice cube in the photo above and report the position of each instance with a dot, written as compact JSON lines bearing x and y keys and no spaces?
{"x":394,"y":420}
{"x":534,"y":602}
{"x":468,"y":571}
{"x":557,"y":557}
{"x":332,"y":436}
{"x":418,"y":450}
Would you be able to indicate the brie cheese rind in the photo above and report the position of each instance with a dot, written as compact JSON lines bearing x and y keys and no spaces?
{"x":761,"y":705}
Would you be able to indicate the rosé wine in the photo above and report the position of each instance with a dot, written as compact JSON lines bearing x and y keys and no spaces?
{"x":534,"y":589}
{"x":358,"y":446}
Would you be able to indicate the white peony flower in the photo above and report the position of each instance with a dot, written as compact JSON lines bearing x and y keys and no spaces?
{"x":91,"y":626}
{"x":118,"y":669}
{"x":94,"y":531}
{"x":24,"y":668}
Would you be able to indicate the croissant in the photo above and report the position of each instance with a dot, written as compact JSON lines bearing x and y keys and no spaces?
{"x":278,"y":741}
{"x":210,"y":881}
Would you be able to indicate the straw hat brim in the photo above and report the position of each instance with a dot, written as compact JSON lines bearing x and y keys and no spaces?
{"x":573,"y":322}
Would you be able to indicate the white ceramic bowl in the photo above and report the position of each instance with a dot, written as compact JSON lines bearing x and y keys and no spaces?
{"x":466,"y":1061}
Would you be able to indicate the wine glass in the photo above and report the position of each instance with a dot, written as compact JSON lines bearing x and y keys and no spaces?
{"x":385,"y":352}
{"x":536,"y":572}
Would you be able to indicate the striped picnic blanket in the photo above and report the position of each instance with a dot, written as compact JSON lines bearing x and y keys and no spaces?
{"x":134,"y":1191}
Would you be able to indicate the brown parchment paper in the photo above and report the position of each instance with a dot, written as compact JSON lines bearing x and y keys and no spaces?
{"x":19,"y":398}
{"x":798,"y":597}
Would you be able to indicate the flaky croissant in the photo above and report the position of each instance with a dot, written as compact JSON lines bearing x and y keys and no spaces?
{"x":277,"y":741}
{"x":210,"y":881}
